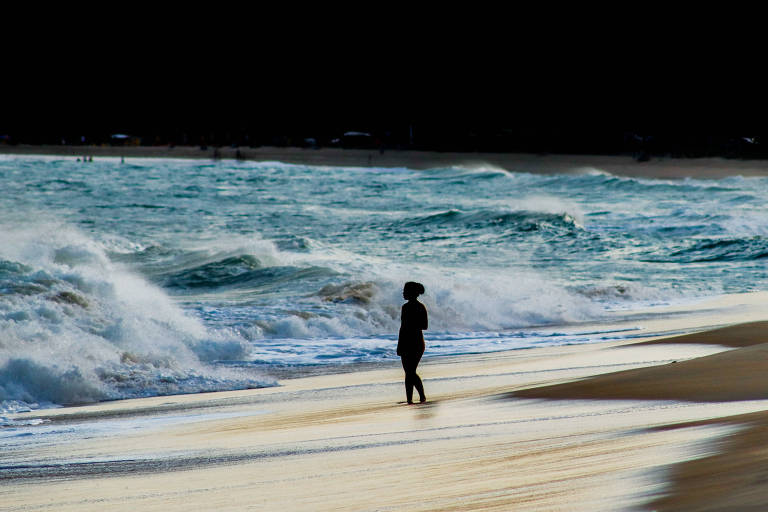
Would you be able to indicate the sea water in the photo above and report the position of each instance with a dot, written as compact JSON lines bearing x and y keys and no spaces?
{"x":163,"y":276}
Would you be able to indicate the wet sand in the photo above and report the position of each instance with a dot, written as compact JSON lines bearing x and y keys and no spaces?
{"x":621,"y":165}
{"x":732,"y":478}
{"x":671,"y":424}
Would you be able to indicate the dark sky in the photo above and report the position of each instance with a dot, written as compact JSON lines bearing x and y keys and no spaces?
{"x":564,"y":70}
{"x":133,"y":103}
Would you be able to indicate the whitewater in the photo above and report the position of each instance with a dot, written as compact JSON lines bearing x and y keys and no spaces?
{"x":162,"y":276}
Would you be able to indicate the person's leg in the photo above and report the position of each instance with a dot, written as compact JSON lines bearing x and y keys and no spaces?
{"x":419,"y":387}
{"x":408,"y":378}
{"x":417,"y":381}
{"x":410,"y":362}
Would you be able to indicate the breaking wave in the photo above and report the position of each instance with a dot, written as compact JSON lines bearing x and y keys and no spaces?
{"x":77,"y":328}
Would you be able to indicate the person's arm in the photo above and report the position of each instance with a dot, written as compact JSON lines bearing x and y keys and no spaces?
{"x":424,"y":320}
{"x":400,"y":333}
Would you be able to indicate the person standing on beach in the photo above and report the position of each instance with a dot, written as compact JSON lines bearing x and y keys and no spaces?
{"x":410,"y":341}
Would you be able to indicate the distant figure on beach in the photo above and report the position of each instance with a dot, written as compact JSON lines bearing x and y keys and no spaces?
{"x":410,"y":341}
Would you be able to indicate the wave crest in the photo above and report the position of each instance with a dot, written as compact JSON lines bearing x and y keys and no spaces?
{"x":494,"y":219}
{"x":77,"y":328}
{"x":717,"y":250}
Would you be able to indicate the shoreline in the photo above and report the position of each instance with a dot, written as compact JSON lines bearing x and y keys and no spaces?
{"x":620,"y":165}
{"x":654,"y":325}
{"x":502,"y":430}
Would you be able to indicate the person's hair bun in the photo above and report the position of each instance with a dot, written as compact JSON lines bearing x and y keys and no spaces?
{"x":412,"y":287}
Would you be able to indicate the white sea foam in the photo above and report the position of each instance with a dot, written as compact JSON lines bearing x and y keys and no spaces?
{"x":458,"y":301}
{"x":86,"y":329}
{"x":482,"y":168}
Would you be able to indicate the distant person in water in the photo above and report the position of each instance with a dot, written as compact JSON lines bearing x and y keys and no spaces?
{"x":410,"y":342}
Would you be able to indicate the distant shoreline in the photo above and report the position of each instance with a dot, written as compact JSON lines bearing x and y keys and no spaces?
{"x":621,"y":165}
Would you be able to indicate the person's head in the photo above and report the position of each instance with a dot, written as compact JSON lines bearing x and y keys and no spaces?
{"x":411,"y":290}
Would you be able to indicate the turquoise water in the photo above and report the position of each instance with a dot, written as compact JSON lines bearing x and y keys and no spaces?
{"x":168,"y":276}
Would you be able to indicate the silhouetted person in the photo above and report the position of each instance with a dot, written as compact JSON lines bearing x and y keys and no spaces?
{"x":410,"y":341}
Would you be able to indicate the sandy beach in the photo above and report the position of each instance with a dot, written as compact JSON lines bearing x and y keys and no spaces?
{"x":672,"y":423}
{"x":620,"y":165}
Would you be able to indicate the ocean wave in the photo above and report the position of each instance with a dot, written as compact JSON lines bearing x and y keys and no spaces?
{"x":464,"y":174}
{"x":626,"y":293}
{"x":519,"y":220}
{"x":225,"y":265}
{"x":457,"y":301}
{"x":159,"y":261}
{"x":640,"y":187}
{"x":243,"y":271}
{"x":76,"y":328}
{"x":716,"y":250}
